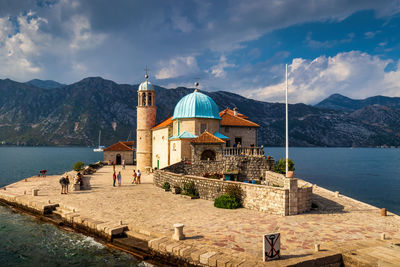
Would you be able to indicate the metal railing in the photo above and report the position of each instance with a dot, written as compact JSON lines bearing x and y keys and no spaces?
{"x":245,"y":151}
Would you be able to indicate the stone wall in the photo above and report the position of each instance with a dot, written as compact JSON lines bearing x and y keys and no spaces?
{"x":299,"y":197}
{"x":273,"y":178}
{"x":110,"y":156}
{"x":287,"y":200}
{"x":249,"y":167}
{"x":304,"y":199}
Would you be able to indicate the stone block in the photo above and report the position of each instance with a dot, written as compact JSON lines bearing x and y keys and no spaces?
{"x":195,"y":256}
{"x":176,"y":250}
{"x":223,"y":261}
{"x":116,"y":230}
{"x":154,"y":243}
{"x":206,"y":256}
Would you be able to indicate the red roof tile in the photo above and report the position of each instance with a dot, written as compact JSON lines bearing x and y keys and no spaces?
{"x":129,"y":143}
{"x":120,"y":146}
{"x":229,"y":119}
{"x":231,"y":112}
{"x":163,"y":124}
{"x":207,"y":137}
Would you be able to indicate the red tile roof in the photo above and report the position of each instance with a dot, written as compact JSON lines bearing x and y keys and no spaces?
{"x":163,"y":124}
{"x":231,"y":112}
{"x":207,"y":137}
{"x":229,"y":119}
{"x":129,"y":143}
{"x":120,"y":146}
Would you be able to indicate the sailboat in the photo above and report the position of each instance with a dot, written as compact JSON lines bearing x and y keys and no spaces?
{"x":99,"y":148}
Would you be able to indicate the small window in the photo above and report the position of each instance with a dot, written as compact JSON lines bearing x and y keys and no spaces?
{"x":227,"y":129}
{"x":149,"y":99}
{"x":203,"y":127}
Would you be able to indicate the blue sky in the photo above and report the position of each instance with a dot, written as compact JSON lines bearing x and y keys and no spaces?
{"x":349,"y":47}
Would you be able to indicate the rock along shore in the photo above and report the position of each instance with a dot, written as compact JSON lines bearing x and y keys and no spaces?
{"x":139,"y":219}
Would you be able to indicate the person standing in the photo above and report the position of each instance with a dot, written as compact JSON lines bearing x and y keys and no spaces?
{"x":114,"y":178}
{"x":134,"y":177}
{"x":119,"y":178}
{"x":62,"y":183}
{"x":123,"y":164}
{"x":139,"y":174}
{"x":66,"y":184}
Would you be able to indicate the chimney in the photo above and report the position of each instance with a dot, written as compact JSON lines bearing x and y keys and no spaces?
{"x":235,"y":111}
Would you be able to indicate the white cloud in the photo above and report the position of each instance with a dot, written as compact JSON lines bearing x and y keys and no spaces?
{"x":20,"y":47}
{"x":353,"y":74}
{"x":181,"y":23}
{"x":219,"y":69}
{"x":176,"y":67}
{"x":82,"y":35}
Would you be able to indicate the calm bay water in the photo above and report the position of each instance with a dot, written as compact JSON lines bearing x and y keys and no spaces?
{"x":371,"y":175}
{"x":368,"y":174}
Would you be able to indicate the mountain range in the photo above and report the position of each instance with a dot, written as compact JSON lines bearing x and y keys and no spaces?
{"x":49,"y":113}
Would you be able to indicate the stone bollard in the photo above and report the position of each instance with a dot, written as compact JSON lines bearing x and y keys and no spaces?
{"x":337,"y":194}
{"x":317,"y":247}
{"x":383,"y":212}
{"x":49,"y":201}
{"x":178,"y":235}
{"x":35,"y":192}
{"x":120,"y":222}
{"x":25,"y":192}
{"x":383,"y":236}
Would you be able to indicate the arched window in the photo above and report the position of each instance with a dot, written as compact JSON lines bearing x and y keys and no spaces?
{"x":143,"y":99}
{"x":149,"y":99}
{"x":208,"y":155}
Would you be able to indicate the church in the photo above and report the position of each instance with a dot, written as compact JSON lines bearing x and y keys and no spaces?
{"x":196,"y":131}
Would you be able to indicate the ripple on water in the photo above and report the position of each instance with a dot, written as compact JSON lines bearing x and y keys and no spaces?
{"x":28,"y":242}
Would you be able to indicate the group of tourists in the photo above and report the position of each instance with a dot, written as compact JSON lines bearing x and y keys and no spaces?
{"x":136,"y":177}
{"x":118,"y":177}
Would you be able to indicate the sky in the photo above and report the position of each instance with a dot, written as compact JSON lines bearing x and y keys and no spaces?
{"x":351,"y":47}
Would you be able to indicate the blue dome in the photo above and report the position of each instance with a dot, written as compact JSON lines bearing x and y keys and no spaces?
{"x":196,"y":105}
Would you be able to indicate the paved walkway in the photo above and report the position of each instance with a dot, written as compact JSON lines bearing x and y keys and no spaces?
{"x":337,"y":220}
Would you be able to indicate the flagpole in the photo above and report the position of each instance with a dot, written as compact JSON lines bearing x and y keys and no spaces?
{"x":287,"y":125}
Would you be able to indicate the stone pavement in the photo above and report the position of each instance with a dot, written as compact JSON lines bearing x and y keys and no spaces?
{"x":337,"y":220}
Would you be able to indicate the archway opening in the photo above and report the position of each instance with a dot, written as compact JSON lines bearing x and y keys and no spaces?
{"x":118,"y":159}
{"x":208,"y":155}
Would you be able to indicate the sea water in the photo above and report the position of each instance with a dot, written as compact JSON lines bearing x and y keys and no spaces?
{"x":371,"y":175}
{"x":24,"y":240}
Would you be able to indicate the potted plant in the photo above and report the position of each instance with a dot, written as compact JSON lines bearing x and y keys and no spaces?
{"x":280,"y":167}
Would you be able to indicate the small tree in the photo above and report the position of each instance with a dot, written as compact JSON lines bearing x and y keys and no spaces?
{"x":78,"y":166}
{"x":280,"y":166}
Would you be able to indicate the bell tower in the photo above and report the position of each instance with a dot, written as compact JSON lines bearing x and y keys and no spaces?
{"x":146,"y":120}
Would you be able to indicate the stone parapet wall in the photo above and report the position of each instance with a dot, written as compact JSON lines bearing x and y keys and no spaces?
{"x":304,"y":199}
{"x":249,"y":167}
{"x":273,"y":178}
{"x":274,"y":200}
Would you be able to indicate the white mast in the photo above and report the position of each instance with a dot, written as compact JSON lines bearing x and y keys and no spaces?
{"x":287,"y":126}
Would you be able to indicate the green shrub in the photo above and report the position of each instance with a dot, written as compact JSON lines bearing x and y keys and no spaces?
{"x":236,"y":192}
{"x":280,"y":166}
{"x":190,"y":189}
{"x":78,"y":166}
{"x":226,"y":202}
{"x":166,"y":186}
